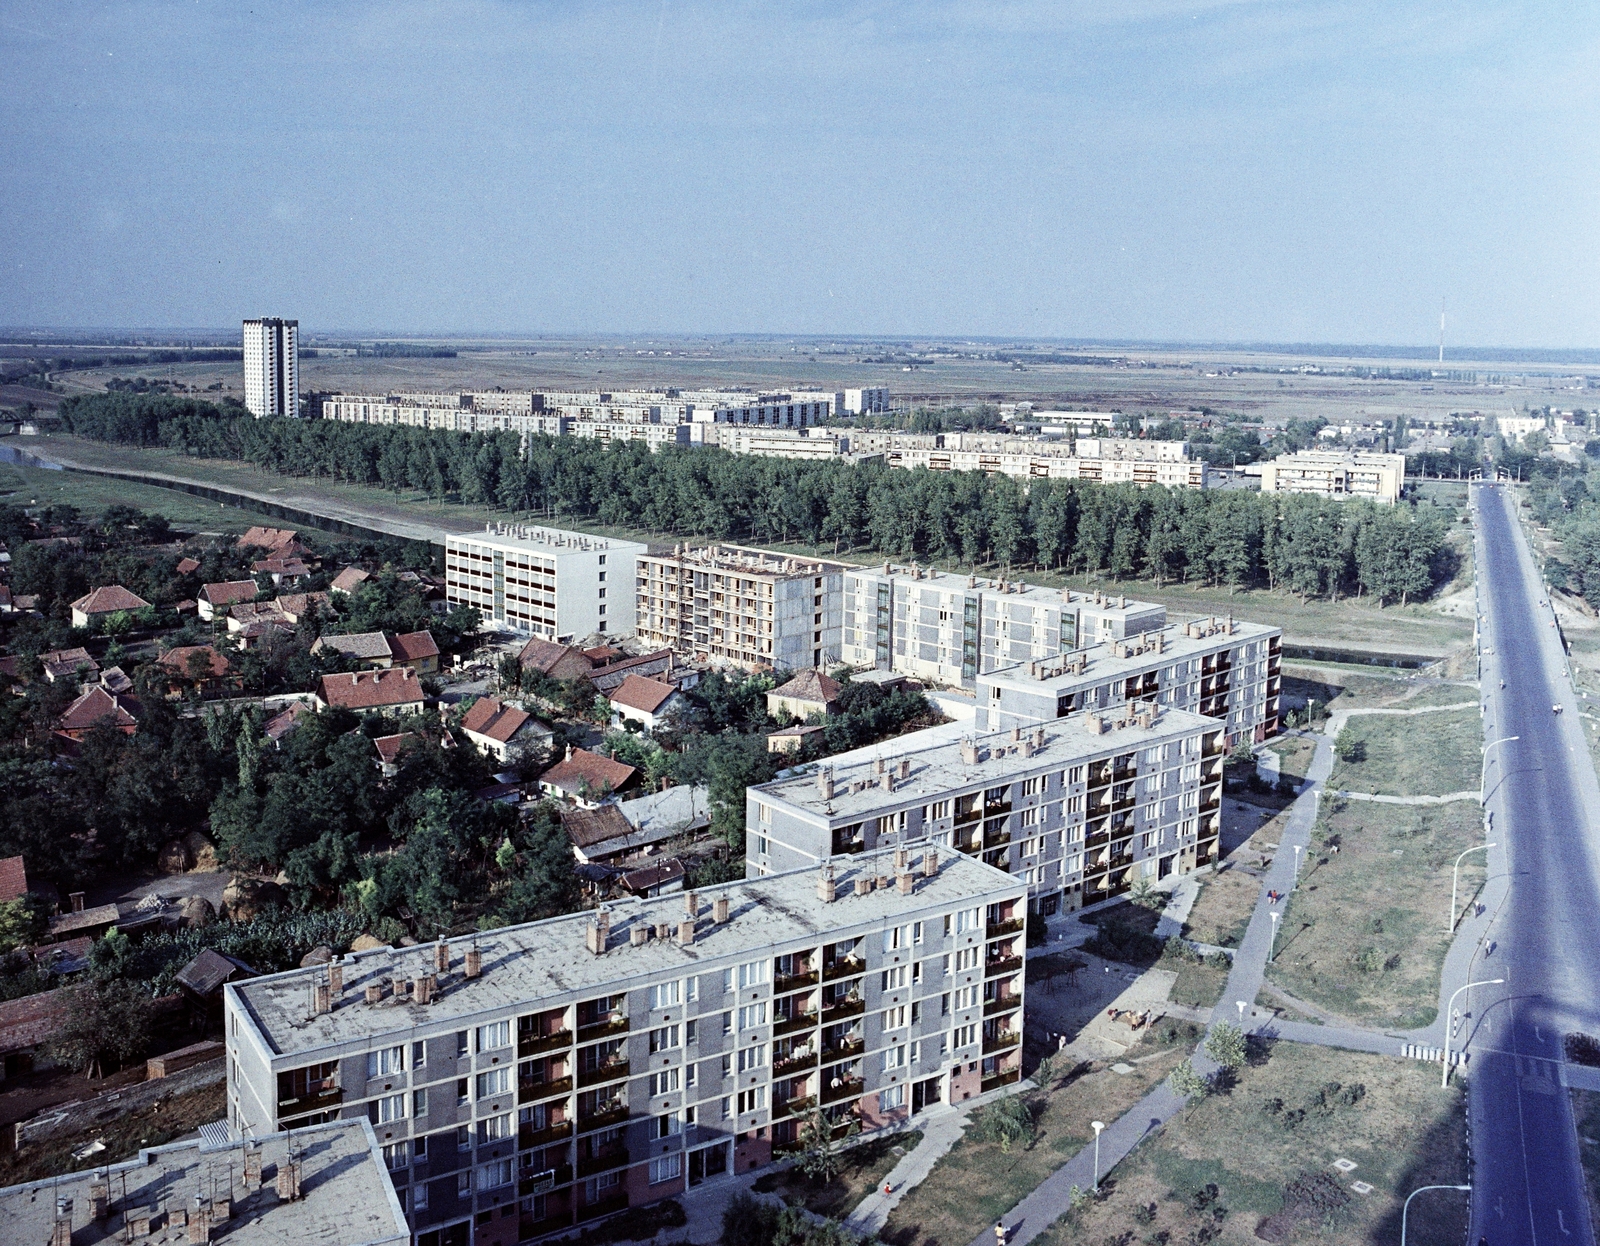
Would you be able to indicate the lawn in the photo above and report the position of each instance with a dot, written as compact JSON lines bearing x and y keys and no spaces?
{"x":1287,"y":1121}
{"x":976,"y":1182}
{"x":1413,"y":755}
{"x":866,"y":1165}
{"x":1221,"y":911}
{"x":1294,"y":755}
{"x":1586,"y":1112}
{"x":1364,"y":933}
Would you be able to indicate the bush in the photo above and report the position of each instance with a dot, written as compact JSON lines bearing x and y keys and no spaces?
{"x":749,"y":1221}
{"x":1185,"y":1081}
{"x":1006,"y":1122}
{"x":1225,"y":1044}
{"x":1349,"y":747}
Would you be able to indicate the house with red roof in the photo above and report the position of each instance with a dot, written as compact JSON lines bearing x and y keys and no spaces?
{"x":556,"y":661}
{"x":586,"y":779}
{"x":645,"y":701}
{"x":280,"y":541}
{"x":96,"y":708}
{"x":13,"y":879}
{"x":280,"y":569}
{"x":397,"y":690}
{"x":69,"y":664}
{"x":100,"y":603}
{"x":187,"y":566}
{"x":196,"y":666}
{"x":348,"y":580}
{"x":505,"y":732}
{"x":389,"y":748}
{"x":418,"y":650}
{"x":216,"y":598}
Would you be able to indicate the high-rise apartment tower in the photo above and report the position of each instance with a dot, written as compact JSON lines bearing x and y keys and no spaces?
{"x":272,"y":366}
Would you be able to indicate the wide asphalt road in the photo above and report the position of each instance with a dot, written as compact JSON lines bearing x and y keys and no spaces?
{"x":1545,"y":939}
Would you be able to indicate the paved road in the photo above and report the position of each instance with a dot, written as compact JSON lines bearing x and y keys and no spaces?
{"x":1528,"y":1185}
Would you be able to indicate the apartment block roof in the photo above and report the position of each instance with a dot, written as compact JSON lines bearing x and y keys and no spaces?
{"x":746,"y":561}
{"x":532,"y":539}
{"x":345,"y":1192}
{"x":108,"y":600}
{"x":935,"y":771}
{"x":1033,"y":594}
{"x":523,"y":965}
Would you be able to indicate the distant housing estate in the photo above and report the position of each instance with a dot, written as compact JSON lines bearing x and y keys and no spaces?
{"x":1336,"y":474}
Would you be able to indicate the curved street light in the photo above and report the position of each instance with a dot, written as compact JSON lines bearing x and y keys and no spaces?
{"x":1413,"y":1195}
{"x":1444,"y":1074}
{"x":1455,"y":877}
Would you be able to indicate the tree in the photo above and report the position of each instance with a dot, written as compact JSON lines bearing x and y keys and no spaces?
{"x":23,"y":922}
{"x":822,"y":1152}
{"x":1225,"y":1044}
{"x":108,"y":1024}
{"x":1188,"y":1083}
{"x":1006,"y":1122}
{"x":1349,"y":747}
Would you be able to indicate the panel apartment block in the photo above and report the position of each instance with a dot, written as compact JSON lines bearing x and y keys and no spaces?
{"x":750,"y":608}
{"x":544,"y":581}
{"x":949,"y":629}
{"x":1220,"y":668}
{"x":546,"y":1075}
{"x":272,"y":367}
{"x":1336,"y":474}
{"x":1077,"y":811}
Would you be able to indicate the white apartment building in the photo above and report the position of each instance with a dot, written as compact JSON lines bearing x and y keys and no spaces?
{"x":948,"y":629}
{"x":1219,"y":668}
{"x":775,"y":443}
{"x":750,"y":608}
{"x":868,"y":400}
{"x":536,"y":1078}
{"x":653,"y":433}
{"x":272,"y":367}
{"x":1517,"y":427}
{"x":1077,"y":809}
{"x":1336,"y":474}
{"x":547,"y":582}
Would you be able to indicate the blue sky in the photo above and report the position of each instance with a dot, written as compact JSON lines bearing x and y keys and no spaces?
{"x":1139,"y":169}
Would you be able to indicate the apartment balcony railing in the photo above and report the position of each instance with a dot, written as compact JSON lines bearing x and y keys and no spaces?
{"x":602,"y":1029}
{"x":1003,"y":1078}
{"x":791,"y":1025}
{"x":1003,"y":1003}
{"x":841,"y":1010}
{"x":841,"y":1051}
{"x":316,"y":1101}
{"x":1014,"y":926}
{"x":533,"y":1092}
{"x":608,"y":1072}
{"x":544,"y":1182}
{"x":1000,"y":965}
{"x":848,"y":1088}
{"x":612,"y":1157}
{"x":794,"y":1063}
{"x":543,"y":1043}
{"x":614,"y":1113}
{"x":784,"y":983}
{"x":528,"y":1137}
{"x":843,"y":968}
{"x":1001,"y":1042}
{"x":796,"y":1107}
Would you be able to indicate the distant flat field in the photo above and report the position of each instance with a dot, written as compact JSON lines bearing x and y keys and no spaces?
{"x":1426,"y":628}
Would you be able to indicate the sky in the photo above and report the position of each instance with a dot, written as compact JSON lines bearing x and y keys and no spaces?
{"x":1218,"y":170}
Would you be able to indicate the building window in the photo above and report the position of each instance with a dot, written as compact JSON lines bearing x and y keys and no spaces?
{"x":419,"y":1102}
{"x":494,"y":1082}
{"x":752,"y":1016}
{"x":396,"y":1155}
{"x":752,"y":1100}
{"x":494,"y":1035}
{"x":664,"y":1038}
{"x":386,"y":1062}
{"x":493,"y":1175}
{"x":665,"y":995}
{"x":667,"y":1168}
{"x":391,"y":1108}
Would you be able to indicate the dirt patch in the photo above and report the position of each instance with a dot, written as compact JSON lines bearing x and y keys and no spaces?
{"x":1221,"y":912}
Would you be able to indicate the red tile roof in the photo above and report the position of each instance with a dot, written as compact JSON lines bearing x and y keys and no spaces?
{"x":226,"y":592}
{"x":33,"y":1019}
{"x":639,"y":693}
{"x":279,"y":540}
{"x":60,"y":662}
{"x":285,"y":722}
{"x":291,"y":566}
{"x":109,"y":600}
{"x":349,"y":579}
{"x":298,"y":604}
{"x":176,"y":661}
{"x":369,"y":690}
{"x":491,"y":718}
{"x":13,"y":879}
{"x":809,"y":685}
{"x":389,"y":746}
{"x":186,"y":565}
{"x":413,"y":646}
{"x":582,"y":767}
{"x":549,"y":657}
{"x":97,"y":706}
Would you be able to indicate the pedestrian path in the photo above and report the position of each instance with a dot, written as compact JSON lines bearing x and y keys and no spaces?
{"x":939,"y":1133}
{"x":1380,"y":799}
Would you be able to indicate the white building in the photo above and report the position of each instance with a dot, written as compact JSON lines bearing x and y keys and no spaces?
{"x":868,"y":400}
{"x":272,"y":367}
{"x":1517,"y":427}
{"x":1336,"y":474}
{"x":544,"y":581}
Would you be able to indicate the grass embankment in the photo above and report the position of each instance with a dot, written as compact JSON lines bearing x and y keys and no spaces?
{"x":159,"y":1123}
{"x":1278,"y":1131}
{"x":1222,"y":910}
{"x":1429,"y":754}
{"x":977,"y":1182}
{"x":1364,"y":932}
{"x":865,"y":1167}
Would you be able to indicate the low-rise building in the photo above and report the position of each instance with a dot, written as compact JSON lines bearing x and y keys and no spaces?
{"x":348,"y":580}
{"x":553,"y":660}
{"x":1077,"y":811}
{"x":506,"y":733}
{"x":418,"y":650}
{"x":1336,"y":474}
{"x":397,"y":690}
{"x":198,"y":667}
{"x":810,"y":692}
{"x":556,"y":585}
{"x":102,"y":603}
{"x":539,"y":1077}
{"x":586,"y":779}
{"x":371,"y":649}
{"x":750,"y":608}
{"x":648,"y":702}
{"x":279,"y":542}
{"x":216,"y":598}
{"x":97,"y":708}
{"x":74,"y":663}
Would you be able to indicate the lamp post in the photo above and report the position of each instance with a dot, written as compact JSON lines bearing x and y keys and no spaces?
{"x":1240,"y":1005}
{"x":1297,"y":851}
{"x":1413,"y":1195}
{"x":1098,"y":1126}
{"x":1455,"y":877}
{"x":1483,"y":771}
{"x":1272,"y":951}
{"x":1444,"y":1072}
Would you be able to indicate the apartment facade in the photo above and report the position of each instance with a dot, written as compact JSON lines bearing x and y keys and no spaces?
{"x":1336,"y":474}
{"x":272,"y":367}
{"x":750,"y":608}
{"x":541,"y":1077}
{"x":949,"y":629}
{"x":1077,"y":810}
{"x":1220,"y":668}
{"x":545,"y":582}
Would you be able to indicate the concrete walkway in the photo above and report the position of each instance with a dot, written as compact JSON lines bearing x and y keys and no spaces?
{"x":1380,"y":799}
{"x":940,"y":1132}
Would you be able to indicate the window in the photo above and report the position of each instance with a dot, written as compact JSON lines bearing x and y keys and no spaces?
{"x":967,"y":958}
{"x":763,"y":812}
{"x":895,"y":938}
{"x":967,"y":997}
{"x":495,"y":1174}
{"x":753,"y":973}
{"x":665,"y":995}
{"x":667,"y":1168}
{"x":966,"y":1035}
{"x":688,"y":1076}
{"x":752,"y":1100}
{"x":664,"y":1038}
{"x":894,"y":978}
{"x":752,"y":1016}
{"x":419,"y":1055}
{"x":916,"y":1012}
{"x":689,"y":1028}
{"x":889,"y":1100}
{"x":691,"y":991}
{"x":753,"y":1057}
{"x":391,"y":1108}
{"x":494,"y":1082}
{"x":419,"y":1103}
{"x":894,"y":1018}
{"x":419,"y":1198}
{"x":595,"y":1186}
{"x":727,"y":1107}
{"x":939,"y":809}
{"x":463,"y":1137}
{"x":1028,"y":817}
{"x":464,"y":1184}
{"x":396,"y":1155}
{"x":1030,"y":787}
{"x":727,"y":1066}
{"x":386,"y":1061}
{"x":916,"y":973}
{"x":916,"y":932}
{"x":969,"y":919}
{"x":727,"y":1023}
{"x":493,"y":1128}
{"x":668,"y":1125}
{"x":461,"y":1043}
{"x":1073,"y":774}
{"x":664,"y":1082}
{"x":894,"y":1058}
{"x":494,"y":1035}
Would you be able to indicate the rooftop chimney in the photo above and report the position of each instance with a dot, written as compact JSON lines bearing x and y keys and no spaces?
{"x":639,"y":935}
{"x":1016,"y":734}
{"x":100,"y":1196}
{"x":901,"y":855}
{"x":969,"y":751}
{"x":863,"y":886}
{"x":397,"y":985}
{"x":905,"y":881}
{"x":61,"y":1233}
{"x":474,"y":966}
{"x":252,"y":1162}
{"x":335,"y":978}
{"x":691,"y":903}
{"x":77,"y":900}
{"x":199,"y":1221}
{"x":885,"y":781}
{"x":321,"y":999}
{"x":289,"y":1180}
{"x":597,"y":932}
{"x":930,"y":862}
{"x":686,"y":931}
{"x":827,"y":889}
{"x":422,"y":988}
{"x":719,"y":910}
{"x":905,"y":768}
{"x":825,"y":783}
{"x":374,"y":992}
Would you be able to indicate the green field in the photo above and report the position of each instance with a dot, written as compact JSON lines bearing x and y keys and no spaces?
{"x":1414,"y":754}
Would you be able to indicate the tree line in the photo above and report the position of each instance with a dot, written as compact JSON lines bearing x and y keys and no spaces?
{"x":1311,"y":546}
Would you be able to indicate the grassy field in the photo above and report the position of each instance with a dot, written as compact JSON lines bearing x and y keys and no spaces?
{"x":1221,"y":911}
{"x":1586,"y":1112}
{"x":1420,"y":628}
{"x":1364,"y":933}
{"x":1295,"y":754}
{"x":1415,"y":755}
{"x":976,"y":1182}
{"x":1287,"y":1121}
{"x":28,"y":486}
{"x":865,"y":1168}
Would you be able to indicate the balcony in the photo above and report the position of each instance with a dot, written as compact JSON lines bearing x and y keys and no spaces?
{"x":1003,"y":1003}
{"x":547,"y":1042}
{"x":602,"y":1029}
{"x":1002,"y":964}
{"x":315,"y":1101}
{"x":528,"y":1138}
{"x":1097,"y":839}
{"x":1003,"y":1078}
{"x":784,"y":983}
{"x":796,"y":1107}
{"x":849,"y":1088}
{"x":996,"y":839}
{"x":533,"y":1092}
{"x":613,"y":1113}
{"x":845,"y":1008}
{"x":850,"y":1047}
{"x":609,"y":1072}
{"x":609,"y":1158}
{"x":543,"y":1183}
{"x":843,"y":968}
{"x":1001,"y":1041}
{"x":1014,"y":926}
{"x":792,"y":1025}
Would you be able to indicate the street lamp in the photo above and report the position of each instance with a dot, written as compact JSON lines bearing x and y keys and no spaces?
{"x":1444,"y":1072}
{"x":1240,"y":1005}
{"x":1272,"y":951}
{"x":1455,"y":877}
{"x":1413,"y":1195}
{"x":1098,"y":1126}
{"x":1483,"y":771}
{"x":1297,"y":851}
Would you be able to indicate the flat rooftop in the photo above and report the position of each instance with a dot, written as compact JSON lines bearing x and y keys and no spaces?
{"x":744,"y":560}
{"x":345,"y":1194}
{"x":539,"y":540}
{"x":1101,"y":661}
{"x":1034,"y":594}
{"x":937,"y":769}
{"x":550,"y":959}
